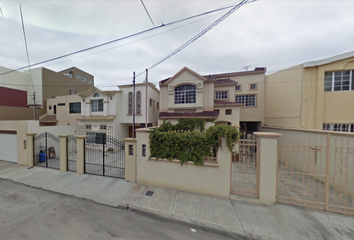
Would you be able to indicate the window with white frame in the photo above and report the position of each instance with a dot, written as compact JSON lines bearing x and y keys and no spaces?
{"x":97,"y":105}
{"x":238,"y":88}
{"x":138,"y":102}
{"x":75,"y":107}
{"x":253,"y":86}
{"x":221,"y":95}
{"x":96,"y":95}
{"x":339,"y":81}
{"x":247,"y":100}
{"x":88,"y":127}
{"x":185,"y":94}
{"x":339,"y":127}
{"x":103,"y":127}
{"x":130,"y":103}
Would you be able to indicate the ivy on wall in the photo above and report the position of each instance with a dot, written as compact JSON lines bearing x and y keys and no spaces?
{"x":183,"y":142}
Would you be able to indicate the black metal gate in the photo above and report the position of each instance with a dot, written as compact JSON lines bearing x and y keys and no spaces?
{"x":104,"y":156}
{"x":46,"y":150}
{"x":72,"y":153}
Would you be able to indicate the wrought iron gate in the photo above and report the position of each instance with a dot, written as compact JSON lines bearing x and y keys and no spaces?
{"x":71,"y":153}
{"x":244,"y":168}
{"x":317,"y":173}
{"x":105,"y":156}
{"x":46,"y":149}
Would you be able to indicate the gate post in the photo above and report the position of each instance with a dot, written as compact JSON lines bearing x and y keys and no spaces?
{"x":80,"y":161}
{"x":30,"y":149}
{"x":267,"y":163}
{"x":63,"y":153}
{"x":130,"y":159}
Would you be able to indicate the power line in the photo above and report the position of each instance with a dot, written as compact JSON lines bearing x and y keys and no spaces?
{"x":211,"y":26}
{"x":122,"y":38}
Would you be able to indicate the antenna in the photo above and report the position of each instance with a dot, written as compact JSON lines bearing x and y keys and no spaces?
{"x":246,"y":67}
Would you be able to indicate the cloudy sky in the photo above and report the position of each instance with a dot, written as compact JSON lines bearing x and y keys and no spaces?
{"x":266,"y":33}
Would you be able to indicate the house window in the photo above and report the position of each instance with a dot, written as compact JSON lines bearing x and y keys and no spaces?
{"x":150,"y":102}
{"x":73,"y":92}
{"x":143,"y":150}
{"x":217,"y":111}
{"x":247,"y":100}
{"x":158,"y":105}
{"x":138,"y":102}
{"x":97,"y":105}
{"x":228,"y":111}
{"x":340,"y":127}
{"x":221,"y":95}
{"x":88,"y":127}
{"x":103,"y":127}
{"x":61,"y":104}
{"x":75,"y":107}
{"x":130,"y":103}
{"x":55,"y":109}
{"x":96,"y":137}
{"x":339,"y":81}
{"x":253,"y":86}
{"x":238,"y":88}
{"x":96,"y":95}
{"x":185,"y":94}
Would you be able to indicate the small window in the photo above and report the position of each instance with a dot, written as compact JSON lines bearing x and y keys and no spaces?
{"x":61,"y":104}
{"x":253,"y":86}
{"x":221,"y":95}
{"x":75,"y":107}
{"x":88,"y":127}
{"x":143,"y":150}
{"x":96,"y":95}
{"x":228,"y":111}
{"x":103,"y":127}
{"x":158,"y":105}
{"x":73,"y":92}
{"x":217,"y":111}
{"x":130,"y":103}
{"x":238,"y":88}
{"x":131,"y":150}
{"x":138,"y":102}
{"x":150,"y":102}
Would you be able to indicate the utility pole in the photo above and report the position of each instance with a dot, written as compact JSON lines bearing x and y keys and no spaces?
{"x":147,"y":98}
{"x":133,"y":105}
{"x":34,"y":105}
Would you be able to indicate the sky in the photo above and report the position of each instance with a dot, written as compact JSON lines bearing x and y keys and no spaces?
{"x":275,"y":34}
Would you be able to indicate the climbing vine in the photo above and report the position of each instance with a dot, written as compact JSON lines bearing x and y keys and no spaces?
{"x":183,"y":142}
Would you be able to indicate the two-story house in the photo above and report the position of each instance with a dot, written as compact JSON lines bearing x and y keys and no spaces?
{"x":110,"y":113}
{"x":187,"y":94}
{"x":313,"y":95}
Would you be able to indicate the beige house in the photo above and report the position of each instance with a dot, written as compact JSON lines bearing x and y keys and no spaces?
{"x":190,"y":95}
{"x":111,"y":112}
{"x":313,"y":95}
{"x":230,"y":98}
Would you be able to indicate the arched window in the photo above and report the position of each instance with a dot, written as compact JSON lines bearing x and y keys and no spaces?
{"x":138,"y":102}
{"x":130,"y":103}
{"x":96,"y":95}
{"x":185,"y":94}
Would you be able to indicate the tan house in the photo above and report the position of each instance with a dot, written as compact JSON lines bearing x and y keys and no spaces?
{"x":230,"y":98}
{"x":46,"y":84}
{"x":190,"y":95}
{"x":313,"y":95}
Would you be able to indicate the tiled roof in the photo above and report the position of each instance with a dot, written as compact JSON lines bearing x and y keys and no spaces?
{"x":205,"y":114}
{"x":49,"y":119}
{"x":225,"y":81}
{"x":96,"y":117}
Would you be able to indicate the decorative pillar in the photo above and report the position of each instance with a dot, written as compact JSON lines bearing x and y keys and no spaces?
{"x":130,"y":159}
{"x":268,"y":156}
{"x":80,"y":161}
{"x":30,"y":149}
{"x":63,"y":152}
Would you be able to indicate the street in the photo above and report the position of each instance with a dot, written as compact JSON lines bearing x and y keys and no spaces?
{"x":31,"y":213}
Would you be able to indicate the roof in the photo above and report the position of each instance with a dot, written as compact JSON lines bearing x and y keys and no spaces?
{"x":96,"y":117}
{"x":205,"y":114}
{"x":184,"y":69}
{"x":96,"y":89}
{"x":225,"y":81}
{"x":49,"y":119}
{"x":139,"y":84}
{"x":329,"y":60}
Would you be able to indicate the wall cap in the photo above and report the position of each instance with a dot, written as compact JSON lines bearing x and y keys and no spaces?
{"x":267,"y":134}
{"x":31,"y":134}
{"x":129,"y":139}
{"x":63,"y":136}
{"x":188,"y":163}
{"x":81,"y":137}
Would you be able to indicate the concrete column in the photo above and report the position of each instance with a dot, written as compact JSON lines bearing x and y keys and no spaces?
{"x":130,"y":159}
{"x":268,"y":155}
{"x":80,"y":161}
{"x":63,"y":153}
{"x":29,"y":148}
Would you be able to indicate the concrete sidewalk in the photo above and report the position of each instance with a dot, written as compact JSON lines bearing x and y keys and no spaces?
{"x":240,"y":219}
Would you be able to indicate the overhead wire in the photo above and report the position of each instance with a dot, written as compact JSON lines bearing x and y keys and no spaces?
{"x":122,"y":38}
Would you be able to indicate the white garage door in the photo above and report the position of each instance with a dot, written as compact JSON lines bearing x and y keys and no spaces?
{"x":8,"y":147}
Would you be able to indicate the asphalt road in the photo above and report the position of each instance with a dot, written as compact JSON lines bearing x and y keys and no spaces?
{"x":30,"y":213}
